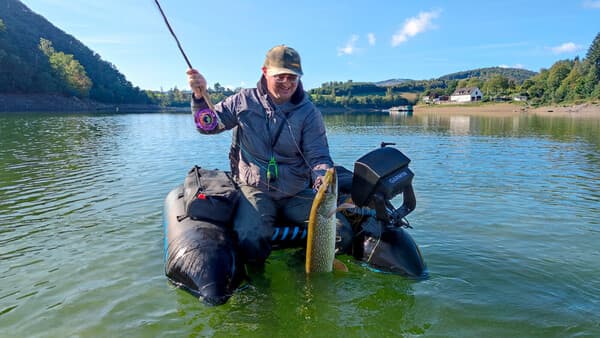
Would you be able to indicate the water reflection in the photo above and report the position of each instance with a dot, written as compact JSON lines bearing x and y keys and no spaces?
{"x":558,"y":128}
{"x":460,"y":125}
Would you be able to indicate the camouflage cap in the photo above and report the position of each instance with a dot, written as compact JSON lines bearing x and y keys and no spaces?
{"x":283,"y":60}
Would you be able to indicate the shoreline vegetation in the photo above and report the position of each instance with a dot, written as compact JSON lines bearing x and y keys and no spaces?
{"x":22,"y":103}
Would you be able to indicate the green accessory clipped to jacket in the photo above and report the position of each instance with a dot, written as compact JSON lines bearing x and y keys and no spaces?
{"x":272,"y":175}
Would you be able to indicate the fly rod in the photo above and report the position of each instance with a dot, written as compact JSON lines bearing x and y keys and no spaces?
{"x":204,"y":93}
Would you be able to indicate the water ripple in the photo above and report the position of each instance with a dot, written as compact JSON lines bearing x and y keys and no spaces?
{"x":506,"y":218}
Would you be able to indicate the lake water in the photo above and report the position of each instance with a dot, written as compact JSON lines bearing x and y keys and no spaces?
{"x":507,"y":218}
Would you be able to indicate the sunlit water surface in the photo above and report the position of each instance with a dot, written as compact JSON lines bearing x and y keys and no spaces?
{"x":507,"y":218}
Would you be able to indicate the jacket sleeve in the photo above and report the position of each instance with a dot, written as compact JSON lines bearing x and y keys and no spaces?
{"x":314,"y":144}
{"x":224,"y":110}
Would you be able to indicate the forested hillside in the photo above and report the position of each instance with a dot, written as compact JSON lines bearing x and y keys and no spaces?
{"x":494,"y":81}
{"x":565,"y":82}
{"x":37,"y":57}
{"x":514,"y":74}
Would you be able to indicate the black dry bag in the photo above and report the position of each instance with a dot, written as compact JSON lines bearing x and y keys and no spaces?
{"x":210,"y":195}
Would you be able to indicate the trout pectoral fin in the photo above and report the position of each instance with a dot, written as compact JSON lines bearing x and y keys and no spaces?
{"x":339,"y":265}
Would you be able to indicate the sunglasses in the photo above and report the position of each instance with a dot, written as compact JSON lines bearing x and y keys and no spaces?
{"x":281,"y":78}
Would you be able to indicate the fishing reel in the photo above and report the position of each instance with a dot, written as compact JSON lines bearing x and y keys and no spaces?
{"x":206,"y":119}
{"x":379,"y":176}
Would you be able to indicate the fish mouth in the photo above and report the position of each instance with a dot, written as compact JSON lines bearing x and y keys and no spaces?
{"x":329,"y":181}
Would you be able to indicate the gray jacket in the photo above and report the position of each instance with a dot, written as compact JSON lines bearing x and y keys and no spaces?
{"x":300,"y":149}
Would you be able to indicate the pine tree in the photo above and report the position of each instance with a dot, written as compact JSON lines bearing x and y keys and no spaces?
{"x":593,"y":56}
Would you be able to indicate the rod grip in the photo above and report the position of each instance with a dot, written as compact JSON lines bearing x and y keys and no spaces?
{"x":206,"y":98}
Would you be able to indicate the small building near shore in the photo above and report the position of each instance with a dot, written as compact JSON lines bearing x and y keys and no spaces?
{"x":435,"y":99}
{"x":469,"y":94}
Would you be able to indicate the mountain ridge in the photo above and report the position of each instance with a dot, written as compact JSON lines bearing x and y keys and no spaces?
{"x":516,"y":74}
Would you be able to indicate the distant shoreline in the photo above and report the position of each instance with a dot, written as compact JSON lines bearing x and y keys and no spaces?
{"x":585,"y":110}
{"x":15,"y":103}
{"x":22,"y":103}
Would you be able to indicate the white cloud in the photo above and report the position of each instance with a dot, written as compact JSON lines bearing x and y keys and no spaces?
{"x":567,"y":47}
{"x":591,"y":4}
{"x":415,"y":25}
{"x":350,"y":47}
{"x":371,"y":38}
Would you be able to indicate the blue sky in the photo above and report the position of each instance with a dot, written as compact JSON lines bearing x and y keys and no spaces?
{"x":338,"y":40}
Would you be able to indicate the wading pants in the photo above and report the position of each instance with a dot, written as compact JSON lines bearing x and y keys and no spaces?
{"x":256,"y":215}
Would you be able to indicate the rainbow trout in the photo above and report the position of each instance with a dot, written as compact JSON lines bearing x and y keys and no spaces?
{"x":320,"y":242}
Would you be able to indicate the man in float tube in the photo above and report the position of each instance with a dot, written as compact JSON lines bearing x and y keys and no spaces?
{"x":279,"y":150}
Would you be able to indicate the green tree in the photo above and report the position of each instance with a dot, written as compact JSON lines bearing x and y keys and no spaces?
{"x":451,"y":87}
{"x":475,"y":82}
{"x":536,"y":87}
{"x":573,"y":87}
{"x":3,"y":53}
{"x":462,"y":83}
{"x":593,"y":57}
{"x":178,"y":96}
{"x":556,"y":74}
{"x":46,"y":47}
{"x":389,"y":94}
{"x":496,"y":86}
{"x":72,"y":72}
{"x":68,"y":69}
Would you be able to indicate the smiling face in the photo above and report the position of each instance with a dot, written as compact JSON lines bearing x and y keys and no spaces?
{"x":281,"y":87}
